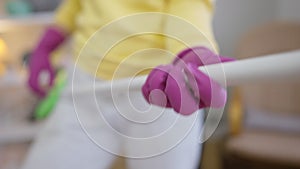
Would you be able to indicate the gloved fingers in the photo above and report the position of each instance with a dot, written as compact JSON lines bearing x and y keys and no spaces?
{"x":210,"y":92}
{"x":34,"y":83}
{"x":226,"y":59}
{"x":153,"y":89}
{"x":211,"y":58}
{"x":200,"y":56}
{"x":37,"y":80}
{"x":181,"y":99}
{"x":197,"y":55}
{"x":51,"y":73}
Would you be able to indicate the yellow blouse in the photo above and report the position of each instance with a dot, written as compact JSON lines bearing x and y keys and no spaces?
{"x":115,"y":38}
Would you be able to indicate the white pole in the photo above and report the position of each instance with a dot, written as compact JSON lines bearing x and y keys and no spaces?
{"x":275,"y":67}
{"x":270,"y":68}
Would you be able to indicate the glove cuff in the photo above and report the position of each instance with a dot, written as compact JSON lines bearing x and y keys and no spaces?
{"x":199,"y":56}
{"x":196,"y":55}
{"x":51,"y":39}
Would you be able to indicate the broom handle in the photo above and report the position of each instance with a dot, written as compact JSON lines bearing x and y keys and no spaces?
{"x":269,"y":68}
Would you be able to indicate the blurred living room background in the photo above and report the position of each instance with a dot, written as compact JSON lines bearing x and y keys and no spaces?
{"x":260,"y":128}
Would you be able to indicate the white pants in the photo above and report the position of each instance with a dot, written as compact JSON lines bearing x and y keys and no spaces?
{"x":90,"y":129}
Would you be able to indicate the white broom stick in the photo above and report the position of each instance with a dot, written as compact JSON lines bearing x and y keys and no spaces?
{"x":270,"y":68}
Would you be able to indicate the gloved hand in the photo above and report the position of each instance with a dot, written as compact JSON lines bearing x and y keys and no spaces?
{"x":40,"y":59}
{"x":182,"y":86}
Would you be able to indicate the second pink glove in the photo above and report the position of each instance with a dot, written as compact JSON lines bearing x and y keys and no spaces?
{"x":40,"y":59}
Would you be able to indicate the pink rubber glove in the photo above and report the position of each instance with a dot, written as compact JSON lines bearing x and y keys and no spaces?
{"x":40,"y":60}
{"x":166,"y":85}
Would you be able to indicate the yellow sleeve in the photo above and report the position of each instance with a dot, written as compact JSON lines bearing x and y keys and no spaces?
{"x":66,"y":14}
{"x":189,"y":24}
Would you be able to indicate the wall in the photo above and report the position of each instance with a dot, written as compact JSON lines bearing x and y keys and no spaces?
{"x":2,"y":9}
{"x":235,"y":17}
{"x":289,"y":10}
